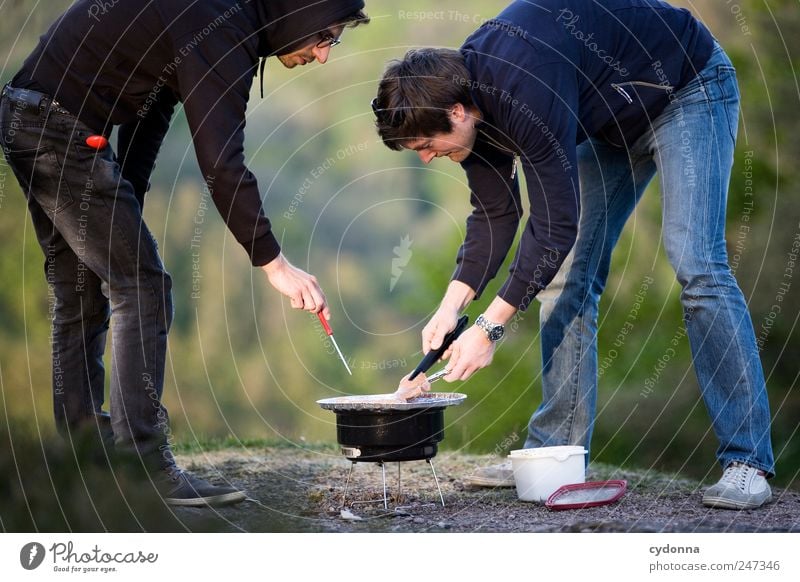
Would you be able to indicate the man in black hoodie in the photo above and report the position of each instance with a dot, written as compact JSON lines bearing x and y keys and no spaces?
{"x":128,"y":64}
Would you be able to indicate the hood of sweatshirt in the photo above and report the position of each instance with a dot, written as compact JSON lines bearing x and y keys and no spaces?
{"x":283,"y":24}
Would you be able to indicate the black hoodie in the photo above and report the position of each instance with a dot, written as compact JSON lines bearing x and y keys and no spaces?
{"x":130,"y":62}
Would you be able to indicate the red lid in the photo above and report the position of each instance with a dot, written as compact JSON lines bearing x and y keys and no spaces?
{"x":582,"y":495}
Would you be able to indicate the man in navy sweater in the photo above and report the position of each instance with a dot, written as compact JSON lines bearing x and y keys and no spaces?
{"x":591,"y":100}
{"x":129,"y":64}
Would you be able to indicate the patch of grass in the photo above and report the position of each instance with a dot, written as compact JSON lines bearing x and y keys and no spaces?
{"x":53,"y":485}
{"x":642,"y":479}
{"x":213,"y":444}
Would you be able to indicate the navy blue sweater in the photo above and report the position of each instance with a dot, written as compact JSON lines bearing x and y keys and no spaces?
{"x":546,"y":77}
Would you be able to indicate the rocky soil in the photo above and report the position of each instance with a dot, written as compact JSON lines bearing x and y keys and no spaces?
{"x":300,"y":490}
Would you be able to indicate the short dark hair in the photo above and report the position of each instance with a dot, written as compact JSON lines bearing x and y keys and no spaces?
{"x":359,"y":17}
{"x":350,"y":21}
{"x":416,"y":94}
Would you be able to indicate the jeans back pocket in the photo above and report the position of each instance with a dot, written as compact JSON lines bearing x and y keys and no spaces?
{"x":41,"y":176}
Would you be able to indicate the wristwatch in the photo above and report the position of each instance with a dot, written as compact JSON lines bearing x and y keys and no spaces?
{"x":494,"y":331}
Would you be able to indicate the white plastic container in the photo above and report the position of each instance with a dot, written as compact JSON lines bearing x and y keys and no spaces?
{"x":539,"y":472}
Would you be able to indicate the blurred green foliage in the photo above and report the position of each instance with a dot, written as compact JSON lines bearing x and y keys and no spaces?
{"x":380,"y":231}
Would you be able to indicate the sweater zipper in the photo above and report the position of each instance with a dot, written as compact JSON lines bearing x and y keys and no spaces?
{"x":618,"y":88}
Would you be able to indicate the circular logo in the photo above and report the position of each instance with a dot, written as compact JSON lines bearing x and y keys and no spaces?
{"x":31,"y":556}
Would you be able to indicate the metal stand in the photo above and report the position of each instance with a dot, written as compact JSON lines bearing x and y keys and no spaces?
{"x":347,"y":484}
{"x":385,"y":496}
{"x":437,"y":481}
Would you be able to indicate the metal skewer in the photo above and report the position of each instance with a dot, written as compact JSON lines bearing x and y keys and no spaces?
{"x":329,"y":331}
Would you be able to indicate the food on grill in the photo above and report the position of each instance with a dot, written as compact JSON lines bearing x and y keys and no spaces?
{"x":412,"y":388}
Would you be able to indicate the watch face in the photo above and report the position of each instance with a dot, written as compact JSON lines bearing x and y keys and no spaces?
{"x":496,"y":333}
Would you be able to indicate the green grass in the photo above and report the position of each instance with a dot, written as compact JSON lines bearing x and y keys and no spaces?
{"x":211,"y":444}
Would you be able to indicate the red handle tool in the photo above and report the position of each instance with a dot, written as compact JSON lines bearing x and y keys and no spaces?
{"x":329,"y":331}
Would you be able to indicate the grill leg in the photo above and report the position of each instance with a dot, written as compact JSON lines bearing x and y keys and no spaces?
{"x":347,"y":484}
{"x":385,"y":500}
{"x":399,"y":486}
{"x":437,"y":481}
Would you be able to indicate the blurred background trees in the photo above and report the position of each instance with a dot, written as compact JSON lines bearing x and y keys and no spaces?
{"x":380,"y":231}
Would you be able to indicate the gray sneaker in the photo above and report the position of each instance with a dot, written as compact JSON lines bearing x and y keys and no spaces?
{"x":181,"y":488}
{"x":493,"y":476}
{"x":741,"y":487}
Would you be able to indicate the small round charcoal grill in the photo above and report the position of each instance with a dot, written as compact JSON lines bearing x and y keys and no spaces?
{"x":381,"y":429}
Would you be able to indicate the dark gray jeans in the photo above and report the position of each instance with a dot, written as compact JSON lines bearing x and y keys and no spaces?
{"x":102,"y":266}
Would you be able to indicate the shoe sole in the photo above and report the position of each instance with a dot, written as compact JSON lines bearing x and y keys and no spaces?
{"x":724,"y":503}
{"x":213,"y":501}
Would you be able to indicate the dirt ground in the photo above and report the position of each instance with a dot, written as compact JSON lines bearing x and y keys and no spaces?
{"x":294,"y":490}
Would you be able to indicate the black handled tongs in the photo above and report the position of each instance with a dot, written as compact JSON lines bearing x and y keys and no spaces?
{"x":433,"y":356}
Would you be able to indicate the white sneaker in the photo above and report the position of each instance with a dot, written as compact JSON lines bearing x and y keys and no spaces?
{"x":741,"y":487}
{"x":501,"y":475}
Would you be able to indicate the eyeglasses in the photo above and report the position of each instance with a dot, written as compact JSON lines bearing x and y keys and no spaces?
{"x":328,"y":40}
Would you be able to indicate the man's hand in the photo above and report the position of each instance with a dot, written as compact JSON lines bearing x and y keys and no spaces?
{"x":445,"y":319}
{"x":443,"y":322}
{"x":301,"y":288}
{"x":470,"y":352}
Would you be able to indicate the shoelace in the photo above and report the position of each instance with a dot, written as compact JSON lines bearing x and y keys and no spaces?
{"x":736,"y":474}
{"x":173,"y":472}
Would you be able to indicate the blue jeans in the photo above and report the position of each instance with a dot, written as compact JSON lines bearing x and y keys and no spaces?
{"x":690,"y":144}
{"x":102,"y":268}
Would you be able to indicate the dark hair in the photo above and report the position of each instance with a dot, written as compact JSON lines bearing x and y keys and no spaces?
{"x":350,"y":21}
{"x":359,"y":17}
{"x":416,"y":94}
